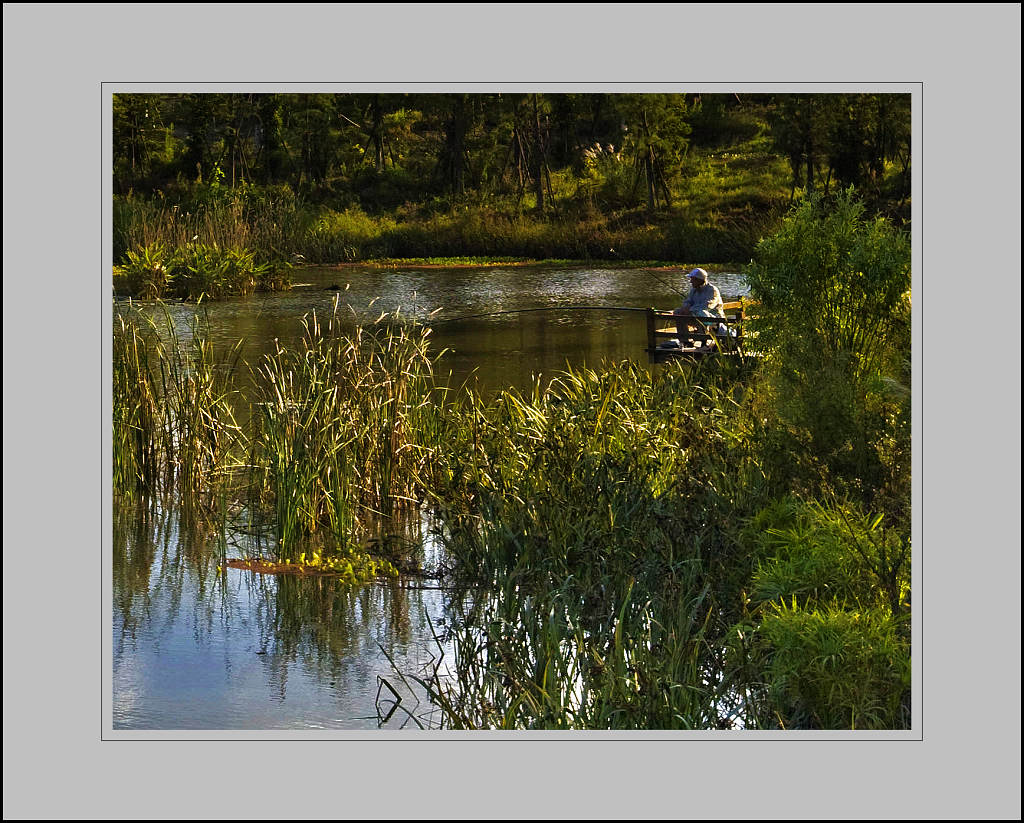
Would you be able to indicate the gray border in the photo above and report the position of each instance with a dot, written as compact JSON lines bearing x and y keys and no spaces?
{"x":969,"y":61}
{"x":256,"y":734}
{"x":109,"y":733}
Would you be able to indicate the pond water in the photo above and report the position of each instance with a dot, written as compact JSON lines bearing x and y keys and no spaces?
{"x":200,"y":647}
{"x":495,"y":351}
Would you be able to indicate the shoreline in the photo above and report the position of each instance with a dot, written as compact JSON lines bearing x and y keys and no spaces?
{"x":425,"y":264}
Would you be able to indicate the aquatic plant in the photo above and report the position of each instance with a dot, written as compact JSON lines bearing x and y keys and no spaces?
{"x":203,"y":438}
{"x":137,"y":412}
{"x":174,"y":408}
{"x":197,"y":271}
{"x":334,"y":442}
{"x":568,"y":507}
{"x":146,"y":273}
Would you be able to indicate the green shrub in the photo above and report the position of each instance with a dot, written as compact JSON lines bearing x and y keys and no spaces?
{"x":826,"y":555}
{"x":834,"y":282}
{"x":197,"y":270}
{"x":147,"y":272}
{"x":833,"y":320}
{"x":835,"y":669}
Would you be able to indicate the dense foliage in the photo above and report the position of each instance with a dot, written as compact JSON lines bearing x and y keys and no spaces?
{"x":337,"y":177}
{"x":711,"y":546}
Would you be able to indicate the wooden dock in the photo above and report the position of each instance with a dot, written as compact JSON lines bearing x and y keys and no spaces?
{"x":701,"y":338}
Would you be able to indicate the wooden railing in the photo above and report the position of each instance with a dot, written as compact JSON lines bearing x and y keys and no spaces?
{"x":703,"y":331}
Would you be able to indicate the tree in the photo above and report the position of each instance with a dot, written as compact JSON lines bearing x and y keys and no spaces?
{"x":140,"y":136}
{"x":453,"y":162}
{"x":846,"y":138}
{"x":833,"y":319}
{"x":656,"y":138}
{"x":271,"y":154}
{"x":798,"y":126}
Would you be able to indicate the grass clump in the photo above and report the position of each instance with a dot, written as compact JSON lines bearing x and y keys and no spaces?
{"x":174,"y":409}
{"x":137,"y":410}
{"x":195,"y":271}
{"x":334,"y":435}
{"x":824,"y":641}
{"x":567,"y":505}
{"x":331,"y":451}
{"x":831,"y":668}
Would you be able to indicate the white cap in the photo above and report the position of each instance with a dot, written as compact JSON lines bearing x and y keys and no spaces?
{"x":699,"y":274}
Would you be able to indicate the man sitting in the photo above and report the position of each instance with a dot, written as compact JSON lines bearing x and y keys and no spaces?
{"x":704,"y":300}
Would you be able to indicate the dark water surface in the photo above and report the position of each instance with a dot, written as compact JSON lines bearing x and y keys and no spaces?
{"x":197,"y":646}
{"x":499,"y":350}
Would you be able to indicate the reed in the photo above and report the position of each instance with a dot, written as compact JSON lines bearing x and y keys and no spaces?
{"x":527,"y":660}
{"x":137,"y":411}
{"x":267,"y":221}
{"x":334,"y":440}
{"x":174,"y":410}
{"x":202,"y":438}
{"x":563,"y":508}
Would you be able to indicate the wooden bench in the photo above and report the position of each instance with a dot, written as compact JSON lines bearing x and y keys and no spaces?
{"x":664,"y":325}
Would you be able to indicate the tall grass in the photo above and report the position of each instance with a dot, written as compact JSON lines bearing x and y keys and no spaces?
{"x":137,"y":410}
{"x":330,"y":457}
{"x":264,"y":220}
{"x":334,"y":440}
{"x":568,"y":506}
{"x":174,"y":409}
{"x":278,"y":229}
{"x":202,"y":436}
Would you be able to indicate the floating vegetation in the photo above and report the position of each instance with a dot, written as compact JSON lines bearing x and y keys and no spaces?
{"x":352,"y":567}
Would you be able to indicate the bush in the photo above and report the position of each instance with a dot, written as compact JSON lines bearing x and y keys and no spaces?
{"x":835,"y":669}
{"x":146,"y":273}
{"x":826,"y":555}
{"x":833,"y":282}
{"x":833,"y":320}
{"x":197,"y":270}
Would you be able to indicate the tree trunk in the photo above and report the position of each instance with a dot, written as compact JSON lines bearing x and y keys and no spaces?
{"x":538,"y":158}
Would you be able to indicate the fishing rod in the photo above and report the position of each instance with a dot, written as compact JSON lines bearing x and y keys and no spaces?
{"x":666,"y":284}
{"x":539,"y":308}
{"x":661,"y":280}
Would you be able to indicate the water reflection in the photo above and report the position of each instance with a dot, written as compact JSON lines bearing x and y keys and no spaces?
{"x":200,"y":646}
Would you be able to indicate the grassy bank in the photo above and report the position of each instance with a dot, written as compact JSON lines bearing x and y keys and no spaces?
{"x":726,"y":200}
{"x":468,"y":234}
